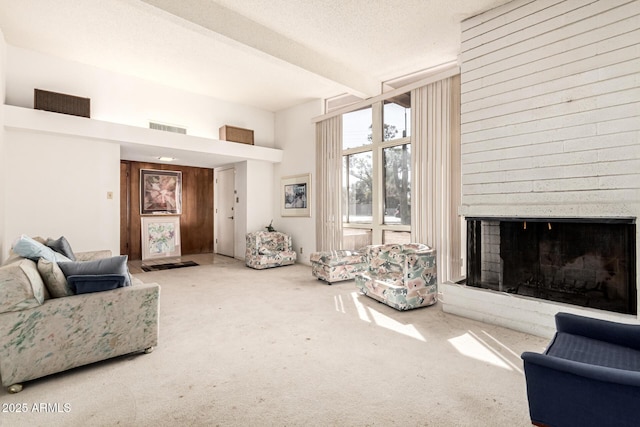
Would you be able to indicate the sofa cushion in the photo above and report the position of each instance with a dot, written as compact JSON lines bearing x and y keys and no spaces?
{"x":62,"y":246}
{"x":21,"y":286}
{"x":29,"y":248}
{"x":594,"y":352}
{"x":266,"y":251}
{"x":113,"y":265}
{"x":338,"y":257}
{"x":414,"y":247}
{"x":83,"y":284}
{"x":54,"y":279}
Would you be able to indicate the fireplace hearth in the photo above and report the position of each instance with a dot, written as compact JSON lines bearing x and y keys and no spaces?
{"x":581,"y":261}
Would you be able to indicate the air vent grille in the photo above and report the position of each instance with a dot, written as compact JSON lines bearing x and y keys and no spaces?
{"x":167,"y":128}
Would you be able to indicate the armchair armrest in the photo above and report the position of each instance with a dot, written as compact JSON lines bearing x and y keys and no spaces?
{"x":603,"y":330}
{"x":421,"y":265}
{"x":584,"y":370}
{"x":77,"y":330}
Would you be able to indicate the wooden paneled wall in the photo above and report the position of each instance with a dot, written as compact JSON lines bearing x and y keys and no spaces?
{"x":196,"y":221}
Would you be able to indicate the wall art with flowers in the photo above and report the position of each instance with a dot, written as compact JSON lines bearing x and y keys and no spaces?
{"x":160,"y":236}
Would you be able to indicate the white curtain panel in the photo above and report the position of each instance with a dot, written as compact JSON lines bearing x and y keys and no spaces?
{"x":435,"y":172}
{"x":329,"y":184}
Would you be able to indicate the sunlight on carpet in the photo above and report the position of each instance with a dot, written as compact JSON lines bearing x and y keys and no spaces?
{"x":337,"y":299}
{"x":368,"y":314}
{"x":470,"y":345}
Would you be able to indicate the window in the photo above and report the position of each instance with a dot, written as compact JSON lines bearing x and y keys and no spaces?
{"x":356,"y":128}
{"x":397,"y":117}
{"x":377,"y":172}
{"x":358,"y":182}
{"x":354,"y":238}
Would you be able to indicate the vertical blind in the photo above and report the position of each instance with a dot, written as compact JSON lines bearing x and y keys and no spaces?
{"x":436,"y":173}
{"x":329,"y":184}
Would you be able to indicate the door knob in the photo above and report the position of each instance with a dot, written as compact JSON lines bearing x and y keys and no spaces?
{"x":230,"y":217}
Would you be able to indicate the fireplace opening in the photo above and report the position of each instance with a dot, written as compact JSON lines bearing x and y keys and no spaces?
{"x":585,"y":262}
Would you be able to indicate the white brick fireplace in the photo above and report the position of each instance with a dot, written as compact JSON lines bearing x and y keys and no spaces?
{"x":550,"y":129}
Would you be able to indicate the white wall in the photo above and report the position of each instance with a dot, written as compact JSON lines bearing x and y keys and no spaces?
{"x":128,"y":100}
{"x":239,"y":244}
{"x":57,"y":186}
{"x":550,"y":127}
{"x":295,"y":135}
{"x":255,"y":200}
{"x":258,"y":183}
{"x":71,"y":176}
{"x":260,"y":195}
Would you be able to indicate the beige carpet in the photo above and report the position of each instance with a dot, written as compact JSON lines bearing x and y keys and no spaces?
{"x":277,"y":347}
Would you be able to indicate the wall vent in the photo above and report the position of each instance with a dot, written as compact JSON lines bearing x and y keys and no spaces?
{"x":167,"y":128}
{"x":61,"y":103}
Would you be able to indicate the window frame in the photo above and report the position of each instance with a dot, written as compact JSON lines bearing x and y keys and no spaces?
{"x":376,"y":147}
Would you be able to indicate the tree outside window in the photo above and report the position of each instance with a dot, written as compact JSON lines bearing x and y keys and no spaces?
{"x":359,"y":184}
{"x":397,"y":185}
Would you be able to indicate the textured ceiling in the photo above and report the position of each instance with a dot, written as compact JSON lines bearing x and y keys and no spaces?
{"x":271,"y":54}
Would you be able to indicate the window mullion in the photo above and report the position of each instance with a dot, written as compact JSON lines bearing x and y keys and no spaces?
{"x":346,"y":188}
{"x":378,"y":205}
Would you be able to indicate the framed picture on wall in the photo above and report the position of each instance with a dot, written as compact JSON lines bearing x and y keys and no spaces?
{"x":160,"y":236}
{"x":160,"y":192}
{"x":296,"y":195}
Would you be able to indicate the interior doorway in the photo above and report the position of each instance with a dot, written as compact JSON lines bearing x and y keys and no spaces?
{"x":225,"y":212}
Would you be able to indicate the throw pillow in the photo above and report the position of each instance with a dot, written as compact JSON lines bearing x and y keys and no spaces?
{"x":61,"y":246}
{"x":54,"y":279}
{"x":84,"y":284}
{"x":27,"y":247}
{"x":113,"y":265}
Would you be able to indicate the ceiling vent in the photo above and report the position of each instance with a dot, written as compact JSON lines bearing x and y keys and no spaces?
{"x":167,"y":128}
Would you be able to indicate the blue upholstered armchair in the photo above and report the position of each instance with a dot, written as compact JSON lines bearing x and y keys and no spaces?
{"x":589,"y":375}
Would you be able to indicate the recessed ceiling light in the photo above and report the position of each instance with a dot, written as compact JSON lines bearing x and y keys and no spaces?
{"x":166,"y":159}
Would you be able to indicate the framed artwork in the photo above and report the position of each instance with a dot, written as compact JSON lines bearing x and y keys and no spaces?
{"x":296,"y":195}
{"x":160,"y":236}
{"x":160,"y":192}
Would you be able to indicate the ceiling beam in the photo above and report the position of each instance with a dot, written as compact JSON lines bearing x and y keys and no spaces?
{"x":218,"y":20}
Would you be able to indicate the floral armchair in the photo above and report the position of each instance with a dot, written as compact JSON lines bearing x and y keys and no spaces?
{"x":401,"y":276}
{"x":266,"y":249}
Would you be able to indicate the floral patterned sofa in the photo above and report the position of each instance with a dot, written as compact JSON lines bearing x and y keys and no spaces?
{"x":41,"y":334}
{"x":401,"y":276}
{"x":338,"y":265}
{"x":266,"y":249}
